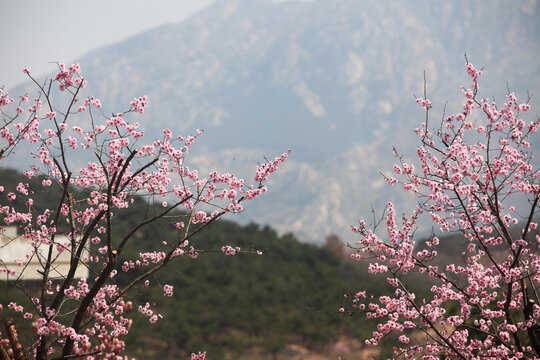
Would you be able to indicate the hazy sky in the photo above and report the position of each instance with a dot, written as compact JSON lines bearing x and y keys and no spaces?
{"x":38,"y":32}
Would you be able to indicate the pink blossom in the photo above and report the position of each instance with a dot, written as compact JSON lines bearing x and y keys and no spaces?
{"x":462,"y":186}
{"x":199,"y":356}
{"x":122,"y":167}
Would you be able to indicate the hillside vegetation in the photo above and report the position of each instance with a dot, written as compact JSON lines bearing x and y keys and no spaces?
{"x":226,"y":304}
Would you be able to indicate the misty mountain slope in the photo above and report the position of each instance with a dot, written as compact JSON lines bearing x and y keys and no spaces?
{"x":332,"y":80}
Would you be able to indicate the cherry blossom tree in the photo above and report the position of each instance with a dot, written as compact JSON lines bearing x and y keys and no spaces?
{"x":475,"y":175}
{"x":57,"y":128}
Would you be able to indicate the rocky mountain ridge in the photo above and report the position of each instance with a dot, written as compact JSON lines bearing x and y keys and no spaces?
{"x":332,"y":80}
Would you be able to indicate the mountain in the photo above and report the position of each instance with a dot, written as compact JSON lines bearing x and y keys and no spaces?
{"x":333,"y":80}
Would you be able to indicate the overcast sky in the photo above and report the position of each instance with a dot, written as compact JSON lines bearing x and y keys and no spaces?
{"x":37,"y":32}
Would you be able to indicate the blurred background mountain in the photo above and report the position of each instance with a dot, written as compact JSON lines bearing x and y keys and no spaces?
{"x":332,"y":80}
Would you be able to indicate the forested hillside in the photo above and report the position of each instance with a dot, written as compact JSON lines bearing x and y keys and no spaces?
{"x":289,"y":294}
{"x":227,"y":303}
{"x":234,"y":305}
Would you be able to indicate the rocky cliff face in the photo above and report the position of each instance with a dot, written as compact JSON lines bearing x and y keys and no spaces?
{"x":333,"y":80}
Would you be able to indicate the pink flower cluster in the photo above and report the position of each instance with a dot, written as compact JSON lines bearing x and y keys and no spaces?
{"x":67,"y":77}
{"x":4,"y":98}
{"x":229,"y":250}
{"x":264,"y":170}
{"x":120,"y":168}
{"x":472,"y":175}
{"x":199,"y":356}
{"x":168,"y":290}
{"x":138,"y":104}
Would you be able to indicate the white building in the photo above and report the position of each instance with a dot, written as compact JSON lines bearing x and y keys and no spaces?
{"x":17,"y":254}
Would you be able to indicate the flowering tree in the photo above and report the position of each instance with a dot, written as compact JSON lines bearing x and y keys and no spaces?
{"x":475,"y":176}
{"x":86,"y":318}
